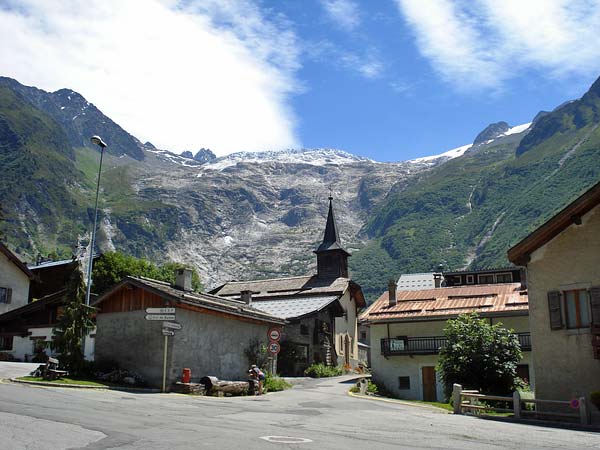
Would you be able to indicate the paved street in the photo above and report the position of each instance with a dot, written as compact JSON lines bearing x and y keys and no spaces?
{"x":319,"y":412}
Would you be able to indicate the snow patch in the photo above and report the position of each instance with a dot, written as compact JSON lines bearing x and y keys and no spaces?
{"x":450,"y":154}
{"x":517,"y":129}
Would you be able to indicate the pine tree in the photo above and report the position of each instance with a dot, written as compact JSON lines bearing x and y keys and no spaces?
{"x":74,"y":324}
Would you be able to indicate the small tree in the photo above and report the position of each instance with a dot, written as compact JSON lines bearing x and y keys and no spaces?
{"x":74,"y":324}
{"x":479,"y":355}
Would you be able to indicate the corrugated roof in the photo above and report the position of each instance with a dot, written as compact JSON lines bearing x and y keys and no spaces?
{"x":291,"y":308}
{"x":487,"y":299}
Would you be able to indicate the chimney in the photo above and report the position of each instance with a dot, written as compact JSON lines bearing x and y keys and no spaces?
{"x":392,"y":292}
{"x":247,"y":297}
{"x":183,"y":279}
{"x":437,"y":280}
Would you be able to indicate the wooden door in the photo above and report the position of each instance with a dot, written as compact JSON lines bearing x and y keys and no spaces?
{"x":429,"y":384}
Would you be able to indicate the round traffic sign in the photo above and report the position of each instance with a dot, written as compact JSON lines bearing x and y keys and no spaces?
{"x":574,"y":403}
{"x":274,"y":348}
{"x":274,"y":334}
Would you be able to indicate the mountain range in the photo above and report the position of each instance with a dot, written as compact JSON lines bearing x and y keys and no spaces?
{"x":253,"y":215}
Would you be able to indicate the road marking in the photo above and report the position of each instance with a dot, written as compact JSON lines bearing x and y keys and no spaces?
{"x":285,"y":439}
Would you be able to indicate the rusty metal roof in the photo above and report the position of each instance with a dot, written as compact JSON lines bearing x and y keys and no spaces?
{"x":486,"y":299}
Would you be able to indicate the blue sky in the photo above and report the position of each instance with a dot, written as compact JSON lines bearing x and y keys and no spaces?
{"x":387,"y":79}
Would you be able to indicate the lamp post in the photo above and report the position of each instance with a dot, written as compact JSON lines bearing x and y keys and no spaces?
{"x":98,"y":141}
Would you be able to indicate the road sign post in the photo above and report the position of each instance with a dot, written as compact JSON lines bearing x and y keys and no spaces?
{"x":160,"y":317}
{"x":164,"y":383}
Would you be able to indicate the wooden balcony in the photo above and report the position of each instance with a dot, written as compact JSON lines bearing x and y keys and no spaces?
{"x":430,"y":345}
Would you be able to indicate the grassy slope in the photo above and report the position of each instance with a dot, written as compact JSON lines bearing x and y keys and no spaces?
{"x":430,"y":222}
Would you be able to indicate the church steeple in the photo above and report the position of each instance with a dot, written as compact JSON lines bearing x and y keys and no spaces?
{"x":332,"y":258}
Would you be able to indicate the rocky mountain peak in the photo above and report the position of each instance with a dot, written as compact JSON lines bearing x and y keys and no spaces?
{"x":490,"y":132}
{"x":204,"y":155}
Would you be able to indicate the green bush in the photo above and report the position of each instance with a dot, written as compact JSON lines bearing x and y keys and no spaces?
{"x":273,"y":383}
{"x":322,"y":371}
{"x":595,"y":398}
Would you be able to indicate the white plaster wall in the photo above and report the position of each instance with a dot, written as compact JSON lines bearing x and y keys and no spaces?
{"x":13,"y":277}
{"x":347,"y":326}
{"x":22,"y":346}
{"x":563,"y":359}
{"x":387,"y":370}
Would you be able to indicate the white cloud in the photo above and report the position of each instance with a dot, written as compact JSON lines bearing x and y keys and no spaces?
{"x":214,"y":74}
{"x":366,"y":62}
{"x":483,"y":43}
{"x":344,"y":13}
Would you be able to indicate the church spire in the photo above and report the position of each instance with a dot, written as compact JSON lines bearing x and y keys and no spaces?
{"x":332,"y":258}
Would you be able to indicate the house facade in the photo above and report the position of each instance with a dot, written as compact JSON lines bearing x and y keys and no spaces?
{"x":406,"y":330}
{"x":215,"y":338}
{"x":15,"y":279}
{"x":321,"y":309}
{"x":563,"y":269}
{"x":485,"y":276}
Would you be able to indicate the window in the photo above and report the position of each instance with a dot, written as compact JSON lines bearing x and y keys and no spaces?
{"x":504,"y":278}
{"x":403,"y":383}
{"x":363,"y":335}
{"x":523,"y":372}
{"x":485,"y":279}
{"x":470,"y":279}
{"x":6,"y":342}
{"x":576,"y":307}
{"x":5,"y":295}
{"x":304,"y":330}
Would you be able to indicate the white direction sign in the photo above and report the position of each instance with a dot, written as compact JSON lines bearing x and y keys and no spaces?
{"x":160,"y":310}
{"x":167,"y":332}
{"x":160,"y":316}
{"x":172,"y":325}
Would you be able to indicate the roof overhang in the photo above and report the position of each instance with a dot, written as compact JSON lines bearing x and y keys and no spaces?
{"x":16,"y":261}
{"x":443,"y":318}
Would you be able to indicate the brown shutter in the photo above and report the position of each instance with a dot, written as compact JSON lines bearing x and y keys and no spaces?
{"x":8,"y":295}
{"x":595,"y":307}
{"x":556,"y":322}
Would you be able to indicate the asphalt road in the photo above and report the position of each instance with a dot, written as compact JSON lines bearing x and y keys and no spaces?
{"x":318,"y":412}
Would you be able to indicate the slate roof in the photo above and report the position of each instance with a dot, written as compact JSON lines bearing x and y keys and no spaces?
{"x":331,"y":237}
{"x":295,"y":307}
{"x":443,"y":303}
{"x":208,"y":301}
{"x":280,"y":287}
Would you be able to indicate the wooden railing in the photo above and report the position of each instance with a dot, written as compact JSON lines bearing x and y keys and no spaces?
{"x":430,"y":345}
{"x":475,"y":403}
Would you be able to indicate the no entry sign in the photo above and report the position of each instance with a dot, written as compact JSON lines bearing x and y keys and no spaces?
{"x":274,"y":334}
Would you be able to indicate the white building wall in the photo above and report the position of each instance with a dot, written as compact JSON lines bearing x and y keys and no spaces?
{"x":13,"y":277}
{"x":387,"y":370}
{"x":347,"y":326}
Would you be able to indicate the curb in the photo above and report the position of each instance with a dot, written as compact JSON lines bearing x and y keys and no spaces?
{"x":85,"y":386}
{"x":398,"y":402}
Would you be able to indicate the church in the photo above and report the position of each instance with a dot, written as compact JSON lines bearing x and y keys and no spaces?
{"x":320,"y":309}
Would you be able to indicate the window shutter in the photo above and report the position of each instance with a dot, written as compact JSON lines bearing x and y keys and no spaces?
{"x":595,"y":307}
{"x":8,"y":295}
{"x":556,"y":322}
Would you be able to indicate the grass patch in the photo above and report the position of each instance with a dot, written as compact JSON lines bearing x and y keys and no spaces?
{"x":273,"y":383}
{"x":322,"y":371}
{"x":66,"y":380}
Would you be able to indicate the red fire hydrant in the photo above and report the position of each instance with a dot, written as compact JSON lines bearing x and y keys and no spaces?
{"x":186,"y":377}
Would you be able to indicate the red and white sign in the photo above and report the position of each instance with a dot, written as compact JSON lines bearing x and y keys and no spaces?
{"x":274,"y":334}
{"x":574,"y":403}
{"x":274,"y":348}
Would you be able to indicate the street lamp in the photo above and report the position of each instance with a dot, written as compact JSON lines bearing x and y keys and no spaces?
{"x":97,"y":141}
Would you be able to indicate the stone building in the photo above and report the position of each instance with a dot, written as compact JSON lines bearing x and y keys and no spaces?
{"x":215,"y":337}
{"x":563,"y":271}
{"x":321,"y":309}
